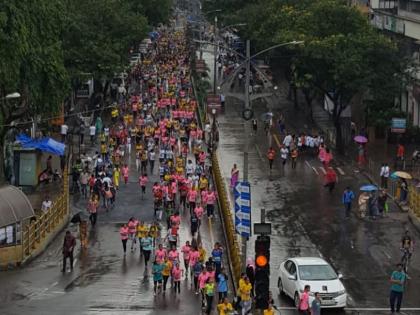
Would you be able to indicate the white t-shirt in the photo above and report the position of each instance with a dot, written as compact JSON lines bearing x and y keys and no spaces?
{"x":106,"y":132}
{"x":283,"y":153}
{"x":287,"y":140}
{"x":64,"y":129}
{"x":92,"y":130}
{"x":46,"y":205}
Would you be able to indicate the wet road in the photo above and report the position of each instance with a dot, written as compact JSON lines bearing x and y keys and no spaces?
{"x":103,"y":281}
{"x":308,"y":221}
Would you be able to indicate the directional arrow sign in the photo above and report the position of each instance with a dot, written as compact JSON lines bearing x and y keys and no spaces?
{"x":242,"y":194}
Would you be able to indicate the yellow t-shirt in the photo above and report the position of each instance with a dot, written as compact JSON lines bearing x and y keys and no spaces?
{"x":223,"y":308}
{"x":269,"y":312}
{"x":245,"y":290}
{"x":142,"y":230}
{"x":202,"y":253}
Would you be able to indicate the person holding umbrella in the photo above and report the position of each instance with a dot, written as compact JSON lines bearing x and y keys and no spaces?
{"x":361,"y":152}
{"x":364,"y":197}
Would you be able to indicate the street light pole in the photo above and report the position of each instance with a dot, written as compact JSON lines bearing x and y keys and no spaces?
{"x":246,"y":132}
{"x":215,"y":56}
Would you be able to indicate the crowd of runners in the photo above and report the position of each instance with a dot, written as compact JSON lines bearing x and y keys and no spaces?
{"x":155,"y":123}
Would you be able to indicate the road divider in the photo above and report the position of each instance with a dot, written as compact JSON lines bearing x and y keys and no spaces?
{"x":227,"y":222}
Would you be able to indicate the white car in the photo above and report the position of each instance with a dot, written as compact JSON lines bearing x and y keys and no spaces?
{"x":297,"y":272}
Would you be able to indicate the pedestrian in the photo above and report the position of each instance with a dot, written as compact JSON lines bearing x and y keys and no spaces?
{"x":186,"y":250}
{"x":250,"y":273}
{"x":116,"y":177}
{"x":255,"y":126}
{"x":46,"y":204}
{"x":400,"y":154}
{"x":363,"y":204}
{"x":316,"y":304}
{"x":63,"y":131}
{"x":348,"y":197}
{"x":142,"y":231}
{"x":382,"y":202}
{"x":330,"y":179}
{"x":209,"y":289}
{"x":147,"y":246}
{"x":222,"y":285}
{"x":68,"y":248}
{"x":234,"y":176}
{"x":210,"y":202}
{"x":166,"y":272}
{"x":384,"y":173}
{"x":270,"y":156}
{"x":157,"y":269}
{"x":294,"y":154}
{"x":84,"y":179}
{"x":196,"y":270}
{"x":217,"y":255}
{"x":177,"y":274}
{"x":125,"y":171}
{"x":132,"y":231}
{"x":224,"y":307}
{"x":245,"y":292}
{"x":92,"y":133}
{"x":403,"y":191}
{"x":202,"y":280}
{"x":92,"y":207}
{"x":303,"y":307}
{"x":194,"y":222}
{"x":160,"y":253}
{"x":398,"y":278}
{"x":143,"y":180}
{"x":284,"y":151}
{"x":124,"y":237}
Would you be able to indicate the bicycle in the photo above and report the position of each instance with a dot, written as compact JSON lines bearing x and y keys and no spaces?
{"x":405,"y":259}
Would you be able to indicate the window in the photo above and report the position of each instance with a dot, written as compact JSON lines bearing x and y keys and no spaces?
{"x":8,"y":235}
{"x":316,"y":273}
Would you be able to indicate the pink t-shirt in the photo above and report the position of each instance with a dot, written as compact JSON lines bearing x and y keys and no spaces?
{"x":194,"y":255}
{"x":304,"y":301}
{"x":186,"y":250}
{"x":175,"y":220}
{"x":173,"y":255}
{"x":199,"y":211}
{"x":143,"y":180}
{"x":160,"y":255}
{"x":202,"y":279}
{"x":192,"y":195}
{"x":176,"y":274}
{"x":211,"y":198}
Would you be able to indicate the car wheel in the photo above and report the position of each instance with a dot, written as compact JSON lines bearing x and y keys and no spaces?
{"x":280,"y":286}
{"x":297,"y":299}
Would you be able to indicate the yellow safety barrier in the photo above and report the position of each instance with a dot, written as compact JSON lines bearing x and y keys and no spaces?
{"x":227,"y":218}
{"x":38,"y":233}
{"x":414,"y":200}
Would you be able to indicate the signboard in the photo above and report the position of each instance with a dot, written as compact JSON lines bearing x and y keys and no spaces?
{"x":242,"y":195}
{"x":214,"y":102}
{"x":398,"y":125}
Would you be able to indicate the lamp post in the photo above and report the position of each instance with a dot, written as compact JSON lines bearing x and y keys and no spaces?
{"x":213,"y":129}
{"x":215,"y":56}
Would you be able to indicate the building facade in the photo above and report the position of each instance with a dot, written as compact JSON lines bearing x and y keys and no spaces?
{"x":401,"y":19}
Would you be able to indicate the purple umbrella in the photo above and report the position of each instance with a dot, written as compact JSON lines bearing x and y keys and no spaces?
{"x":360,"y":139}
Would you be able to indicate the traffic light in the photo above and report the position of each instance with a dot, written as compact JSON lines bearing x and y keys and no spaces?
{"x":262,"y":271}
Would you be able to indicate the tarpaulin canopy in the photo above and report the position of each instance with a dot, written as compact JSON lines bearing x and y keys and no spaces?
{"x":44,"y":144}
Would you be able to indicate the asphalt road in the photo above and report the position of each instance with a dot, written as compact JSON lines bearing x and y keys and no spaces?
{"x":309,"y":221}
{"x":103,"y":281}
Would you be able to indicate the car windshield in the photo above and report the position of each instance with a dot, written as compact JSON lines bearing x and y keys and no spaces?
{"x":316,"y":272}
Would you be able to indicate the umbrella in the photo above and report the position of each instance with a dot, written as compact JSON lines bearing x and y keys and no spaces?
{"x":360,"y":139}
{"x":368,"y":188}
{"x":267,"y":116}
{"x":404,"y":175}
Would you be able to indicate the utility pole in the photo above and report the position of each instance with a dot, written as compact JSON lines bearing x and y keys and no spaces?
{"x":215,"y":57}
{"x":246,"y":132}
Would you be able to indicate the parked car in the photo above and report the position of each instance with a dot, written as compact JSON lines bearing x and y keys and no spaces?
{"x":297,"y":272}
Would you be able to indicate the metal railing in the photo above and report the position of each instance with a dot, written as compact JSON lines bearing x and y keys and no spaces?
{"x":35,"y":233}
{"x":227,"y":220}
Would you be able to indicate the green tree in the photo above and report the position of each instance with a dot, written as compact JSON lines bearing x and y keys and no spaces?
{"x":31,"y":62}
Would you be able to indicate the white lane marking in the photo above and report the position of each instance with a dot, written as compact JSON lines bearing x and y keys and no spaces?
{"x":340,"y":170}
{"x":323,"y":170}
{"x":387,"y":255}
{"x":258,"y":151}
{"x":307,"y":163}
{"x":315,"y":170}
{"x":74,"y":262}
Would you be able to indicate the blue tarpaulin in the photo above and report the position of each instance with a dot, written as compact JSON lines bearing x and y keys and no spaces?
{"x":44,"y":144}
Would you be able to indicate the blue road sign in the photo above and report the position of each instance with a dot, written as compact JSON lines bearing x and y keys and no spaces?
{"x":242,"y":195}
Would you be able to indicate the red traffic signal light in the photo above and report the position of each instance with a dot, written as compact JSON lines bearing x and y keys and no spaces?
{"x":261,"y":261}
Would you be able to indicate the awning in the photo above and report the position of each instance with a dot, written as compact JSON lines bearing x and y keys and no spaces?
{"x":45,"y":144}
{"x":14,"y":206}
